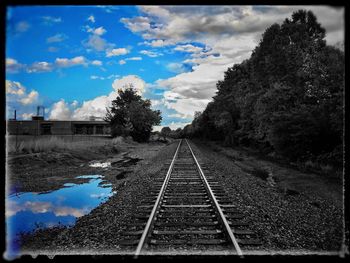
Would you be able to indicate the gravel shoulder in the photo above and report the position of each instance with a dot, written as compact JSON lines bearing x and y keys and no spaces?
{"x":301,"y":217}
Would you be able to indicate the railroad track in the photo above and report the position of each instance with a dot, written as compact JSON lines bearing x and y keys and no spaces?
{"x":187,"y":211}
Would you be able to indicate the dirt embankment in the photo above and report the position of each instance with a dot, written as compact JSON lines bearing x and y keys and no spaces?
{"x":47,"y":171}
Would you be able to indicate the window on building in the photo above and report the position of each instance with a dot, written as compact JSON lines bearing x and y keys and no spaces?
{"x":78,"y":129}
{"x":90,"y":129}
{"x":99,"y":129}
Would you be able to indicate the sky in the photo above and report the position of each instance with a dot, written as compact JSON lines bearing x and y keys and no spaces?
{"x":73,"y":59}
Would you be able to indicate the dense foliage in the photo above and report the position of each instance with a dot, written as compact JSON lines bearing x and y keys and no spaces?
{"x":131,"y":115}
{"x":286,"y":98}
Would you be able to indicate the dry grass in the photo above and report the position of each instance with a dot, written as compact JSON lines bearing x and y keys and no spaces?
{"x":53,"y":143}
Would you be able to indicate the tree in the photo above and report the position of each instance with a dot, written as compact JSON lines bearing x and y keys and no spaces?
{"x":287,"y":97}
{"x":131,"y":115}
{"x":165,"y":132}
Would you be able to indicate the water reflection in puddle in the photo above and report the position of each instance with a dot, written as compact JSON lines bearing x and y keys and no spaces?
{"x":26,"y":212}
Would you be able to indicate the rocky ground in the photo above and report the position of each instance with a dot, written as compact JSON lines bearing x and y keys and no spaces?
{"x":290,"y":210}
{"x":288,"y":217}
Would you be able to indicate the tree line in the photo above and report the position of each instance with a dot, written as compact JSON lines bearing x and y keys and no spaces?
{"x":287,"y":98}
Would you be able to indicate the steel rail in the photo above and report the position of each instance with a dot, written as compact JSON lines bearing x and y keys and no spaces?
{"x":217,"y":206}
{"x":155,"y":207}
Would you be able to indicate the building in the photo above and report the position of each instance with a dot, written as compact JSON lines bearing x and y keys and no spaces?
{"x":39,"y":126}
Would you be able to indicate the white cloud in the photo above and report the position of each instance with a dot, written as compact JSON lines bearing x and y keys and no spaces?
{"x":97,"y":106}
{"x":96,"y":77}
{"x":31,"y":98}
{"x":65,"y":62}
{"x":97,"y":43}
{"x":176,"y":67}
{"x":27,"y":116}
{"x":134,"y":58}
{"x":53,"y":49}
{"x":12,"y":65}
{"x":99,"y":31}
{"x":49,"y":20}
{"x":60,"y":111}
{"x":188,"y":48}
{"x":91,"y":19}
{"x":74,"y":103}
{"x":56,"y":38}
{"x":151,"y":54}
{"x":138,"y":84}
{"x":22,"y":27}
{"x":123,"y":61}
{"x":14,"y":87}
{"x":40,"y":67}
{"x":116,"y":52}
{"x":16,"y":93}
{"x":96,"y":62}
{"x":137,"y":24}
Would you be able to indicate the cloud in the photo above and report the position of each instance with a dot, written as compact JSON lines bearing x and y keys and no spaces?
{"x":60,"y":111}
{"x":151,"y":54}
{"x":116,"y":52}
{"x":15,"y":88}
{"x":22,"y":27}
{"x":137,"y":24}
{"x":99,"y":31}
{"x":56,"y":38}
{"x":27,"y":116}
{"x":50,"y":20}
{"x":65,"y":62}
{"x":188,"y":48}
{"x":176,"y":67}
{"x":138,"y":84}
{"x":123,"y":61}
{"x":91,"y":19}
{"x":134,"y":58}
{"x":31,"y":98}
{"x":96,"y":77}
{"x":96,"y":63}
{"x":97,"y":43}
{"x":12,"y":65}
{"x":156,"y":43}
{"x":37,"y":67}
{"x":16,"y":93}
{"x":53,"y":49}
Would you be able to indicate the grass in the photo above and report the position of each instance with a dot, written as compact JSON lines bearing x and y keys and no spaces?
{"x":54,"y":143}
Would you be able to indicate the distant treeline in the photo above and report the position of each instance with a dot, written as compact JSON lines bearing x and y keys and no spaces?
{"x":286,"y":99}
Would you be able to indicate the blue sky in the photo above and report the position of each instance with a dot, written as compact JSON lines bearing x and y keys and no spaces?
{"x":72,"y":59}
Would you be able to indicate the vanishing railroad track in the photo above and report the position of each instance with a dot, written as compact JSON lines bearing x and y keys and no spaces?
{"x":187,"y":211}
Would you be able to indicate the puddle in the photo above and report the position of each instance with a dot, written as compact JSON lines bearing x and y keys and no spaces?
{"x":29,"y":211}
